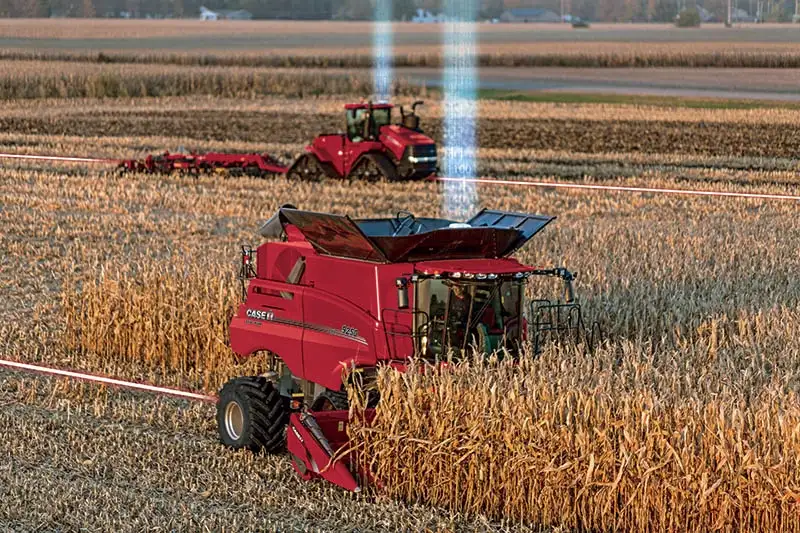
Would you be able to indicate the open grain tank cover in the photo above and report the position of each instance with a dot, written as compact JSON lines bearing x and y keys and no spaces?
{"x":273,"y":228}
{"x":489,"y":234}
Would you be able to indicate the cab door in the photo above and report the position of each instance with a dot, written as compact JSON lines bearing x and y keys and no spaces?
{"x":273,"y":317}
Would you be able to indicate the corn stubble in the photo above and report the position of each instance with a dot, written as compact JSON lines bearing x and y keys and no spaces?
{"x":166,"y":323}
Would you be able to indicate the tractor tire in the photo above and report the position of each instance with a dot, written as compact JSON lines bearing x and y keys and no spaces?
{"x":373,"y":167}
{"x":330,"y":400}
{"x":252,"y":414}
{"x":306,"y":168}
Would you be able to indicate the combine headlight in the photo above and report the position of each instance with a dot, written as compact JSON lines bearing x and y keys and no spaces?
{"x":455,"y":275}
{"x":415,"y":160}
{"x":469,"y":275}
{"x":519,"y":275}
{"x":480,"y":276}
{"x":492,"y":276}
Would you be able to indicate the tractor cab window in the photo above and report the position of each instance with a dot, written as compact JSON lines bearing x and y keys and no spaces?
{"x":461,"y":314}
{"x":360,"y":128}
{"x":381,"y":118}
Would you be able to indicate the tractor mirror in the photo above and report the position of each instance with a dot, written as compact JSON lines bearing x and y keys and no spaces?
{"x":402,"y":293}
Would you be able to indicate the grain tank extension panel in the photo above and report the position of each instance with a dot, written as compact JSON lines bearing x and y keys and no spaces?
{"x":489,"y":234}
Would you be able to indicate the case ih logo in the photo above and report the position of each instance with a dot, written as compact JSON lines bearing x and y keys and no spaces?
{"x":260,"y":315}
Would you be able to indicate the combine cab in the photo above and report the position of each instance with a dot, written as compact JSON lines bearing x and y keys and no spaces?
{"x":373,"y":148}
{"x":334,"y":297}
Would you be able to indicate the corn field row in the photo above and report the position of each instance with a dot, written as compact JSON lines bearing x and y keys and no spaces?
{"x":654,"y":55}
{"x":606,"y":442}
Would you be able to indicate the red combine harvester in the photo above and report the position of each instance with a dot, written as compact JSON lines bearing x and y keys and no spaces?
{"x":372,"y":148}
{"x":336,"y":297}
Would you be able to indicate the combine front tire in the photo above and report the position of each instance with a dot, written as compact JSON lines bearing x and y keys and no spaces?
{"x":252,"y":414}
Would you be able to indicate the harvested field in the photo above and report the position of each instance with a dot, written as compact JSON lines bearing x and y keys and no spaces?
{"x":695,"y":391}
{"x":261,"y":124}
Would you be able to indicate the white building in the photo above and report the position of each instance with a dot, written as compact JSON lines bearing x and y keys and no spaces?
{"x":224,"y":14}
{"x":426,"y":17}
{"x":207,"y":14}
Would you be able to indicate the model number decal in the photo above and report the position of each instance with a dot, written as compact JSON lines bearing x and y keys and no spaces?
{"x":350,"y":331}
{"x":260,"y":315}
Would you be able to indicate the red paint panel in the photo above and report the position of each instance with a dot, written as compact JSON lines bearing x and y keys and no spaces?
{"x":328,"y":149}
{"x":338,"y":334}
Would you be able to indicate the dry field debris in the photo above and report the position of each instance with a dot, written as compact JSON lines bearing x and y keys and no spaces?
{"x":686,"y":419}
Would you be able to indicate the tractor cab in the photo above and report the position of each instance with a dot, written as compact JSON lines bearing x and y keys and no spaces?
{"x":364,"y":121}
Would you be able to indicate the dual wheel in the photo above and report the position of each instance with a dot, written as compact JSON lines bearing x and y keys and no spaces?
{"x":252,"y":414}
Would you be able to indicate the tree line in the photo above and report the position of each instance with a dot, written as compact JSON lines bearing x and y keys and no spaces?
{"x":592,"y":10}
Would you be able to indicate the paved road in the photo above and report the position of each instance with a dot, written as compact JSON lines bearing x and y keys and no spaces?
{"x":755,"y":84}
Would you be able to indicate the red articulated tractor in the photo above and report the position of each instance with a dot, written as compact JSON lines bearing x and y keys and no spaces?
{"x":333,"y":298}
{"x":373,"y":147}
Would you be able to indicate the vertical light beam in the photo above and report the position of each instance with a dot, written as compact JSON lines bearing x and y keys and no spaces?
{"x":382,"y":49}
{"x":460,"y":197}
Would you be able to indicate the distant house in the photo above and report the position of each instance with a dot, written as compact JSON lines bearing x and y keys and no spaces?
{"x":224,"y":14}
{"x":740,"y":15}
{"x":425,"y":16}
{"x":706,"y":16}
{"x":207,"y":14}
{"x":529,"y":14}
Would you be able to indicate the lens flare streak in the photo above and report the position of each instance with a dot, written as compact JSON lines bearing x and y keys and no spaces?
{"x":620,"y":188}
{"x":382,"y":42}
{"x":460,"y":196}
{"x":83,"y":376}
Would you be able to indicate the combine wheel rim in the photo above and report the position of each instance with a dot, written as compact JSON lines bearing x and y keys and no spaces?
{"x":234,"y":420}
